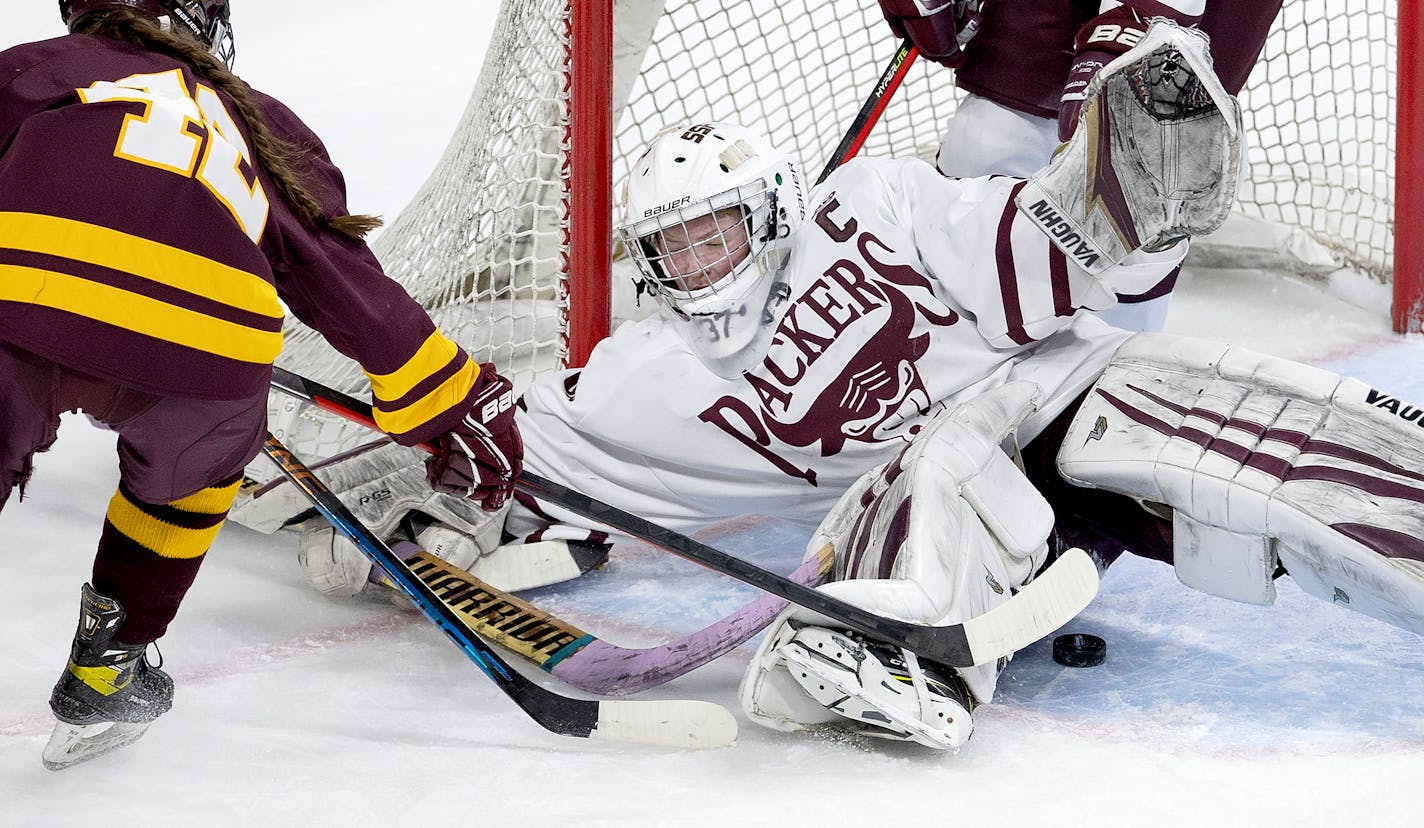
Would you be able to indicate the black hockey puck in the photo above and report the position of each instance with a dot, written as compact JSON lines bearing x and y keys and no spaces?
{"x":1079,"y":650}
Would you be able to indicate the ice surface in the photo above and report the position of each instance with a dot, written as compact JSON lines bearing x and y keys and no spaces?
{"x":293,"y":709}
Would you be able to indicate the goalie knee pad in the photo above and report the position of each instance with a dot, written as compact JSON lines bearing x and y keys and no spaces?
{"x":944,"y":532}
{"x":1262,"y":459}
{"x":330,"y":562}
{"x":1155,"y":159}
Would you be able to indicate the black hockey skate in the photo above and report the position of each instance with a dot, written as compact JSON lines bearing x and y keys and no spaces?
{"x":109,"y":693}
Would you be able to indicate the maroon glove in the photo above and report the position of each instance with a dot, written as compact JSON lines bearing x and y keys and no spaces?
{"x":938,"y":28}
{"x":1098,"y":42}
{"x":480,"y":458}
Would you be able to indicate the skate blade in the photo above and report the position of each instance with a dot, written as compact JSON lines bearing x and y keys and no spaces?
{"x":71,"y":744}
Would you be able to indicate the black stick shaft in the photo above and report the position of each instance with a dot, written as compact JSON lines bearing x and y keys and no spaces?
{"x":871,"y":110}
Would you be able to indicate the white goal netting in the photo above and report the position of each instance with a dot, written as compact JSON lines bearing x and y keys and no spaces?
{"x":484,"y":243}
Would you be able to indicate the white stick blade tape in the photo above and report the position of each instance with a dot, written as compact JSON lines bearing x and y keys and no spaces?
{"x":678,"y":724}
{"x":1051,"y":600}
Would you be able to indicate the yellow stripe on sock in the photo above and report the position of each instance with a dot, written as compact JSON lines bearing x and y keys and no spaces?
{"x":213,"y":500}
{"x":163,"y":538}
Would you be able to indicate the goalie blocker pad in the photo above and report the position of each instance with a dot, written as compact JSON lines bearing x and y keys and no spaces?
{"x":1263,"y":460}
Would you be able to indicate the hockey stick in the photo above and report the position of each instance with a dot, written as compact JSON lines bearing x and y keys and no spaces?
{"x":874,"y":105}
{"x":582,"y":659}
{"x":1059,"y":593}
{"x":681,"y":724}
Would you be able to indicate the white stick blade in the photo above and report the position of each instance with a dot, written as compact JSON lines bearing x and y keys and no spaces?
{"x":1051,"y":600}
{"x":678,"y":724}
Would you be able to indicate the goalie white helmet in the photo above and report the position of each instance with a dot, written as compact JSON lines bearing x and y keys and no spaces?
{"x":709,"y":214}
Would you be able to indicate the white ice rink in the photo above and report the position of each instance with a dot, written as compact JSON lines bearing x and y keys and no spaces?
{"x":297,"y":710}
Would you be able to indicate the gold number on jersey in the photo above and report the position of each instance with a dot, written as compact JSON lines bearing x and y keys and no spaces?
{"x":190,"y":135}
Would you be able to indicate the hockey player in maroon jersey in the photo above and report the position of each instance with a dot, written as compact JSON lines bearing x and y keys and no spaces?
{"x":155,"y":214}
{"x":1024,"y":65}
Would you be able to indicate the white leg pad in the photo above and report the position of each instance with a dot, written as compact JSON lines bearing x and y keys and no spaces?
{"x":942,"y":533}
{"x":1328,"y":472}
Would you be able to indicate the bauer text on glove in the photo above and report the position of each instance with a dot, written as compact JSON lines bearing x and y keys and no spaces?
{"x":481,"y":457}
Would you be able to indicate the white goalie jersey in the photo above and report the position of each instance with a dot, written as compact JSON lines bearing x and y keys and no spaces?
{"x":909,"y":294}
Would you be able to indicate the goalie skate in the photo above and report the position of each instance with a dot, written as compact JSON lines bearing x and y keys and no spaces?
{"x":1155,"y":158}
{"x":882,"y":691}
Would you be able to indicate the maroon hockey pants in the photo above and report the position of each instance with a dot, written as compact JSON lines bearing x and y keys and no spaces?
{"x":173,"y":453}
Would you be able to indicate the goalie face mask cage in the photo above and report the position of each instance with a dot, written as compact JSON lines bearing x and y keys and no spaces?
{"x":709,"y":213}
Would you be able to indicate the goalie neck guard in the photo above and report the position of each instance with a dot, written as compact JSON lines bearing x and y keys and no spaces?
{"x":709,"y":214}
{"x":207,"y":20}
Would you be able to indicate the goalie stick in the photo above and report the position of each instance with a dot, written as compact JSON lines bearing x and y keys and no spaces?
{"x":684,"y":724}
{"x":871,"y":110}
{"x":1052,"y":599}
{"x":579,"y":658}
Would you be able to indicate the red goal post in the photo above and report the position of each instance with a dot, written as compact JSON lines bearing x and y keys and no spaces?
{"x":1408,"y":311}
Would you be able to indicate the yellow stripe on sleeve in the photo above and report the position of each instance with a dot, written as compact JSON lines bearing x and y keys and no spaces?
{"x":432,"y":355}
{"x":447,"y":395}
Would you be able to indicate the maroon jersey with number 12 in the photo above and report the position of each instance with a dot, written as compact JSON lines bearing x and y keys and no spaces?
{"x":140,"y":243}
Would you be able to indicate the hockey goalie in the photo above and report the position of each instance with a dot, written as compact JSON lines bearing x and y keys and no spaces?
{"x":907,"y":365}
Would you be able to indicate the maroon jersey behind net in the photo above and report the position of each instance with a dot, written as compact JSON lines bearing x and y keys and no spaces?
{"x":1021,"y":54}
